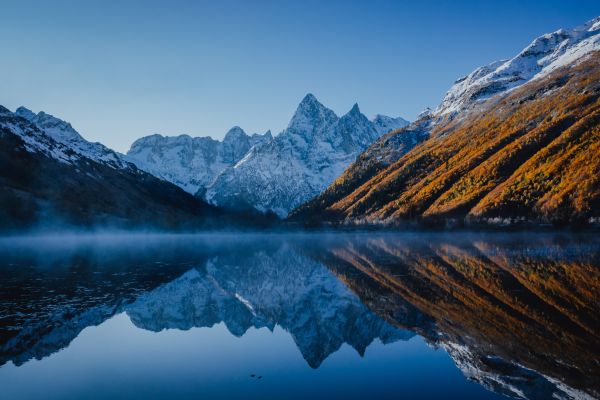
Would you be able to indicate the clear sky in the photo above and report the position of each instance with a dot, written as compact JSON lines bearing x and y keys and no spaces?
{"x":119,"y":70}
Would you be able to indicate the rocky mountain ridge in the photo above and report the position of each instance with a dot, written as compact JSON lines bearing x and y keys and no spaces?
{"x":192,"y":163}
{"x":300,"y":162}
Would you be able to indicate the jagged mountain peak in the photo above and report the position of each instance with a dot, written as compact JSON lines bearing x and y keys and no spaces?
{"x":309,"y":105}
{"x":353,"y":114}
{"x":25,"y":112}
{"x":311,"y":117}
{"x":234,"y":132}
{"x":267,"y":135}
{"x":299,"y":162}
{"x":58,"y":129}
{"x":189,"y":162}
{"x":309,"y":100}
{"x":355,"y":109}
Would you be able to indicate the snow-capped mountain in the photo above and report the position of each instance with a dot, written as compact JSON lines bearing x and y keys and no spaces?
{"x":300,"y":162}
{"x":545,"y":54}
{"x":72,"y":142}
{"x":192,"y":163}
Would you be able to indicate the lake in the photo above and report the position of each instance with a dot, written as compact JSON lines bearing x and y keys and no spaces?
{"x":321,"y":316}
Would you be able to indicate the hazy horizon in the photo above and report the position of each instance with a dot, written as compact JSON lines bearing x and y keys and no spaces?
{"x":121,"y":70}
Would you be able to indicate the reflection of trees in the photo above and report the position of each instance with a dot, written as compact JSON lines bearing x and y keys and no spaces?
{"x":537,"y":309}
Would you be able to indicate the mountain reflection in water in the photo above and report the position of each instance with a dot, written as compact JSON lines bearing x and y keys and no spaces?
{"x":518,"y":314}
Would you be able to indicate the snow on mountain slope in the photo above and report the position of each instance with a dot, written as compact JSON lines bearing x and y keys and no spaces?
{"x":542,"y":56}
{"x":300,"y":162}
{"x":384,"y":124}
{"x":36,"y":141}
{"x":191,"y":163}
{"x":63,"y":133}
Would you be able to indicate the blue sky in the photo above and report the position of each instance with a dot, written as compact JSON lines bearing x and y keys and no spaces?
{"x":119,"y":70}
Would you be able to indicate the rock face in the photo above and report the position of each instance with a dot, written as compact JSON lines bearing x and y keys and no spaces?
{"x":505,"y":147}
{"x":300,"y":162}
{"x":51,"y":175}
{"x":192,"y":163}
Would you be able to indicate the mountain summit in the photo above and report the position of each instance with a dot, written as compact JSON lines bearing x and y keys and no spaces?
{"x":260,"y":172}
{"x":311,"y":118}
{"x":300,"y":162}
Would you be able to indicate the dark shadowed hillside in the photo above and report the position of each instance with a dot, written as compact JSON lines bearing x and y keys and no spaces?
{"x":44,"y":183}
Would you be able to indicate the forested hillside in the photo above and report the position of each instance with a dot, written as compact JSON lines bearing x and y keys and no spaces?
{"x":528,"y":156}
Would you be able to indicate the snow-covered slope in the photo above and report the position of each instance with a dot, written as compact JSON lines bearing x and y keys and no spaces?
{"x":384,"y":124}
{"x":542,"y":56}
{"x":300,"y":162}
{"x":73,"y":144}
{"x":191,"y":163}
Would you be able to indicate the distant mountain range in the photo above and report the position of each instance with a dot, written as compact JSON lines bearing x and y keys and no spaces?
{"x":513,"y":143}
{"x":54,"y":177}
{"x":192,"y":163}
{"x":261,"y":172}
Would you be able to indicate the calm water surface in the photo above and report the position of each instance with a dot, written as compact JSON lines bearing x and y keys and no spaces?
{"x":427,"y":316}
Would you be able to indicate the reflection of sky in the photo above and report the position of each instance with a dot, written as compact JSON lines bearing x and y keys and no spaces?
{"x":118,"y":360}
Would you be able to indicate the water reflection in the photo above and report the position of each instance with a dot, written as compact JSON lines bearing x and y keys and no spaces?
{"x":518,"y":315}
{"x":521,"y":319}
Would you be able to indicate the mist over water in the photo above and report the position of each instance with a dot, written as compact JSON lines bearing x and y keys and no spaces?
{"x":255,"y":315}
